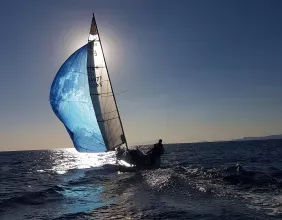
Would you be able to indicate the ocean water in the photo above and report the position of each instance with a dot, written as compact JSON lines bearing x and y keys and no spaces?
{"x":224,"y":180}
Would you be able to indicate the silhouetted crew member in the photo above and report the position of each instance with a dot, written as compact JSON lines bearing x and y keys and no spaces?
{"x":158,"y":150}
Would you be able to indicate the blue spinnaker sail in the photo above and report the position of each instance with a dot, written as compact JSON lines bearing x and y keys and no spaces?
{"x":71,"y":102}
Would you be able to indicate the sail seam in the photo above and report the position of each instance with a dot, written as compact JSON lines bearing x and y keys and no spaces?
{"x":107,"y":112}
{"x":107,"y":119}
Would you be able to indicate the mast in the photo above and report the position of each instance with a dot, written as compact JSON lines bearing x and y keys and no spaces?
{"x":125,"y":141}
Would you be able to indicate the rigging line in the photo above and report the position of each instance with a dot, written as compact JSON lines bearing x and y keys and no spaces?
{"x":121,"y":92}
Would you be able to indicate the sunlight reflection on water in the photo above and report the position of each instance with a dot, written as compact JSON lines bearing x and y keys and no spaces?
{"x":79,"y":190}
{"x":68,"y":159}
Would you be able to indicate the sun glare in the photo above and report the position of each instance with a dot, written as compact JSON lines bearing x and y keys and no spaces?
{"x":69,"y":158}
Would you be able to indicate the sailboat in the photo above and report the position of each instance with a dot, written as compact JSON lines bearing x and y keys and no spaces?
{"x":83,"y":99}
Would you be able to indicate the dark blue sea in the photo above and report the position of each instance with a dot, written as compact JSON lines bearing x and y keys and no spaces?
{"x":209,"y":181}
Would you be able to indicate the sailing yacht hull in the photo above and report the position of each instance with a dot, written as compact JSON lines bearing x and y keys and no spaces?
{"x":133,"y":160}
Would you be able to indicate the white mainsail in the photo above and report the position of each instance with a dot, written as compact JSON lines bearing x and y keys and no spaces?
{"x":102,"y":94}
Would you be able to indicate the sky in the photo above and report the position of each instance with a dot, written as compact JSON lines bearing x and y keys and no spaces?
{"x":194,"y":70}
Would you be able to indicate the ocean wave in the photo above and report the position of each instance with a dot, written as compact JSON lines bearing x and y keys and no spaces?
{"x":227,"y":182}
{"x":207,"y":184}
{"x":35,"y":198}
{"x":251,"y":179}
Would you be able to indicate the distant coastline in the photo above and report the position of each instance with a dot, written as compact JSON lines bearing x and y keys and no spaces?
{"x":269,"y":137}
{"x":261,"y":138}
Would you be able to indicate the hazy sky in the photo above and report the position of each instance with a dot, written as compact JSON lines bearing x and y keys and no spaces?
{"x":194,"y":70}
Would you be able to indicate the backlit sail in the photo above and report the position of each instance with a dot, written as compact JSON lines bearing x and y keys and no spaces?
{"x":82,"y":98}
{"x":101,"y":92}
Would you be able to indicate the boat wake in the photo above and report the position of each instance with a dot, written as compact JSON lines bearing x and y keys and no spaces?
{"x":259,"y":190}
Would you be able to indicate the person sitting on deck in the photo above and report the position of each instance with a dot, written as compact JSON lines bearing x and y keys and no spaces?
{"x":156,"y":152}
{"x":158,"y":149}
